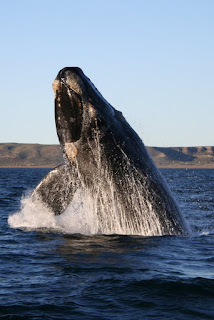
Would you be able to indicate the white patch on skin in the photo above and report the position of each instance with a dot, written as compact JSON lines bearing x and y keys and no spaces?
{"x":74,"y":81}
{"x":70,"y":150}
{"x":91,"y":111}
{"x":75,"y":86}
{"x":56,"y":85}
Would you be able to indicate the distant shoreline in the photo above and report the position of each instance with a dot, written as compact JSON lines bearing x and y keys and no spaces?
{"x":21,"y":155}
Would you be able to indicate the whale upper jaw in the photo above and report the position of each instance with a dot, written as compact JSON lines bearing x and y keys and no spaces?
{"x":75,"y":80}
{"x":71,"y":79}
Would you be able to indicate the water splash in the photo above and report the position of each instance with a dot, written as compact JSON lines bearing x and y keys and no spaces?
{"x":103,"y":207}
{"x":33,"y":215}
{"x":92,"y":211}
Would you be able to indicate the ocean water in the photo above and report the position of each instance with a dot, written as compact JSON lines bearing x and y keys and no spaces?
{"x":46,"y":273}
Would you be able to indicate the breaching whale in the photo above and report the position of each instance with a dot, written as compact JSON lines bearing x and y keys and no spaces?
{"x":105,"y":159}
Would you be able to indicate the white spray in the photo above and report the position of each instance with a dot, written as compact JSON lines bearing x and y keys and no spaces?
{"x":98,"y":209}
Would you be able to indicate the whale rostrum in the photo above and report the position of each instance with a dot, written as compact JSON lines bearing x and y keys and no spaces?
{"x":106,"y":161}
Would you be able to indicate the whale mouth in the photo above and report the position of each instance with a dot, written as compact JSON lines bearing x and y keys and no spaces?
{"x":68,"y":107}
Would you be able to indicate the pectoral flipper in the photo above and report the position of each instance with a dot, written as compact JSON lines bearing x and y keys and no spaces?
{"x":57,"y":188}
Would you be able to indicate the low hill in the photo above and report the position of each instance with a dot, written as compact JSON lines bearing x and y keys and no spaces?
{"x":29,"y":155}
{"x":37,"y":155}
{"x":183,"y":157}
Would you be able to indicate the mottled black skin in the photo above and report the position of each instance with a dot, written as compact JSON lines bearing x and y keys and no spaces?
{"x":83,"y":116}
{"x":57,"y":188}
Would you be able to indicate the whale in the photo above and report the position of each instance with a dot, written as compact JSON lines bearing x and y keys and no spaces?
{"x":105,"y":160}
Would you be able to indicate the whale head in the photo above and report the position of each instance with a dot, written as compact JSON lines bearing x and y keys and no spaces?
{"x":80,"y":110}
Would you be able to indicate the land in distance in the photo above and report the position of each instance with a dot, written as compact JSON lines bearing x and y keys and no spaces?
{"x":39,"y":155}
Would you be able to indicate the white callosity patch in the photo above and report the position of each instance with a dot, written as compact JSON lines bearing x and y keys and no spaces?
{"x":73,"y":82}
{"x":70,"y":150}
{"x":56,"y":85}
{"x":91,"y":111}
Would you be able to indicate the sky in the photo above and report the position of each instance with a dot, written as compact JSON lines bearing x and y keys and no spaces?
{"x":153,"y":60}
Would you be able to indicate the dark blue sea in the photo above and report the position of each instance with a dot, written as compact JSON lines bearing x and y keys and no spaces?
{"x":46,"y":274}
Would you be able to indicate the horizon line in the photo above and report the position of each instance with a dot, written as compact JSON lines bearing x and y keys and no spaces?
{"x":56,"y":144}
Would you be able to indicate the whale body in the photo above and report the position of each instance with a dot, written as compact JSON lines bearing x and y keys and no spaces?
{"x":106,"y":160}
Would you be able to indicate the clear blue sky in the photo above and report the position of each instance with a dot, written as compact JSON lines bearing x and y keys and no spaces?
{"x":153,"y":60}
